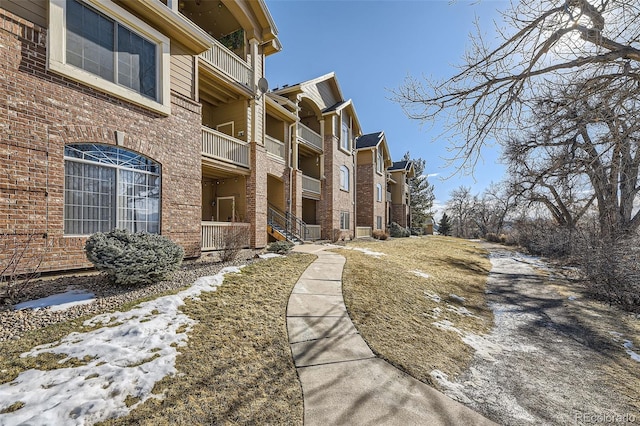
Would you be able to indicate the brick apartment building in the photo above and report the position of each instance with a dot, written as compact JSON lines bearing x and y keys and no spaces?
{"x":154,"y":115}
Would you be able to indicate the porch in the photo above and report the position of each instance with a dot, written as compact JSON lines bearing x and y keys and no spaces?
{"x":218,"y":235}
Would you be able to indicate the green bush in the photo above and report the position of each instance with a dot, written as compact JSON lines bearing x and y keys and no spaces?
{"x":280,"y":247}
{"x":133,"y":259}
{"x":397,"y":231}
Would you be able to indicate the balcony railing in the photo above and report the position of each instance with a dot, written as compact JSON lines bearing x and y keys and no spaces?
{"x":313,"y":232}
{"x":223,"y":147}
{"x":229,"y":63}
{"x":363,"y":231}
{"x":309,"y":137}
{"x":274,"y":146}
{"x":310,"y":184}
{"x":214,"y":234}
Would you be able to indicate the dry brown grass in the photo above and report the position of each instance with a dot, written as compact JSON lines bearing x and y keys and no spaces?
{"x":237,"y":367}
{"x":601,"y":322}
{"x":389,"y":307}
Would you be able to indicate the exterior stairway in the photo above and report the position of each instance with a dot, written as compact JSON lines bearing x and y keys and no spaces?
{"x":285,"y":226}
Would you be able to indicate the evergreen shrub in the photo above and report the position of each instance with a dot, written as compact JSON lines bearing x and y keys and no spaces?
{"x":133,"y":259}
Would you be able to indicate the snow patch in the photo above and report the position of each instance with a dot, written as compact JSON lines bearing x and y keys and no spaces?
{"x":269,"y":255}
{"x":461,"y":310}
{"x":433,"y":296}
{"x":453,"y":390}
{"x":421,"y":274}
{"x":447,"y":326}
{"x":628,"y":345}
{"x":58,"y":302}
{"x":457,"y":298}
{"x":363,"y":250}
{"x":126,"y":359}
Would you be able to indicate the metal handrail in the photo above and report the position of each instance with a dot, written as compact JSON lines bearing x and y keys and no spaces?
{"x":290,"y":223}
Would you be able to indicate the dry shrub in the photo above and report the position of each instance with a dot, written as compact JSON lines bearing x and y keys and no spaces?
{"x":544,"y":238}
{"x":20,"y":259}
{"x":379,"y":234}
{"x":612,"y":269}
{"x":234,"y":239}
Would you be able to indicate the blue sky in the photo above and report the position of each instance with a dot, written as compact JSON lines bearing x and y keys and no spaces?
{"x":372,"y":46}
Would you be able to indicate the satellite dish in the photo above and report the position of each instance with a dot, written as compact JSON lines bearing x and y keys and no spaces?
{"x":263,"y":85}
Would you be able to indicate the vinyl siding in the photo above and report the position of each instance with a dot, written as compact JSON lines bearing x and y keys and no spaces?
{"x":182,"y":71}
{"x":31,"y":10}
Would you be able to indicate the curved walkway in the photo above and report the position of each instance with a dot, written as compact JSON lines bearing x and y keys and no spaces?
{"x":343,"y":382}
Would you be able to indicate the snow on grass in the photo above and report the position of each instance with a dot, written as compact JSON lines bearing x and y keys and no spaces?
{"x":126,"y":357}
{"x":433,"y":296}
{"x":421,"y":274}
{"x":484,"y":348}
{"x":269,"y":255}
{"x":453,"y":390}
{"x":58,"y":302}
{"x":628,"y":345}
{"x":363,"y":250}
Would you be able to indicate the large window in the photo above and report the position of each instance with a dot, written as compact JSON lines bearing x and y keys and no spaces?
{"x":107,"y":187}
{"x":344,"y":178}
{"x":104,"y":46}
{"x":379,"y":161}
{"x":378,"y":193}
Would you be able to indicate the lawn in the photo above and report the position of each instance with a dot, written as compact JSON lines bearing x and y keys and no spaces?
{"x":234,"y":368}
{"x":414,"y":304}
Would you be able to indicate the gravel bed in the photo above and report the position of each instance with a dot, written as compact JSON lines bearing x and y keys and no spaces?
{"x":13,"y":323}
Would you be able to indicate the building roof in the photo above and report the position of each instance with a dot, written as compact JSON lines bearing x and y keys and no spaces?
{"x":370,"y":140}
{"x":400,"y":165}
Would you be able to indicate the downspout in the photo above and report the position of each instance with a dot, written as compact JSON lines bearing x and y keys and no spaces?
{"x":290,"y":147}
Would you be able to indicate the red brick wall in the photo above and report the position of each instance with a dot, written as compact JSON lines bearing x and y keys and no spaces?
{"x":40,"y":112}
{"x":334,"y":200}
{"x":368,"y":208}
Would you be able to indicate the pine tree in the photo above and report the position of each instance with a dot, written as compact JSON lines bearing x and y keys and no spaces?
{"x":444,"y":226}
{"x":421,"y":193}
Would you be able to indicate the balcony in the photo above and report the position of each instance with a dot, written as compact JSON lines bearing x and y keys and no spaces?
{"x":274,"y":146}
{"x":389,"y":198}
{"x":313,"y":232}
{"x":214,"y":234}
{"x":223,"y":147}
{"x":229,"y":64}
{"x":309,"y":137}
{"x":311,"y":187}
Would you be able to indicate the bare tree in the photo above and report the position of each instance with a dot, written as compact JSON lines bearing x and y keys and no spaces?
{"x":546,"y":40}
{"x":461,"y":206}
{"x":583,"y":147}
{"x":492,"y":207}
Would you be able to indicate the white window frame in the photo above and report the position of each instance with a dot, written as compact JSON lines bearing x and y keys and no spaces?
{"x":345,"y":219}
{"x":115,"y":205}
{"x":56,"y":54}
{"x":345,"y":141}
{"x":378,"y":193}
{"x":344,"y":178}
{"x":379,"y":161}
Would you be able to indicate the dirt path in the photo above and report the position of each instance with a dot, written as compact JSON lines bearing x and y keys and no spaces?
{"x":550,"y":359}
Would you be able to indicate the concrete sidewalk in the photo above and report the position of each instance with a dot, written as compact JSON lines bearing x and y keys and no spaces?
{"x":343,"y":382}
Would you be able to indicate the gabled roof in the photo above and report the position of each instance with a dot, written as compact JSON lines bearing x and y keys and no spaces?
{"x":405,"y":166}
{"x":375,"y":140}
{"x":370,"y":140}
{"x":287,"y":88}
